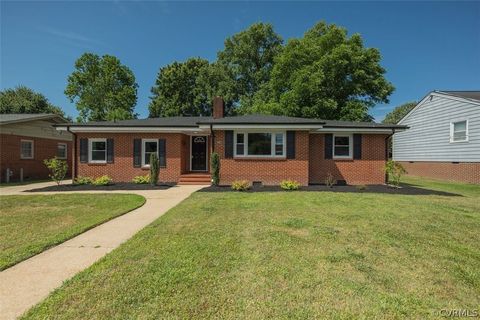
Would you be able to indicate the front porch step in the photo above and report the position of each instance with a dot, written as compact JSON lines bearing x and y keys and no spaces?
{"x":195,"y":178}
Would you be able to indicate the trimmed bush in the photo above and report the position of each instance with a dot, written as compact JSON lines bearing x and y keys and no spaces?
{"x":154,"y":169}
{"x":215,"y":168}
{"x":289,"y":185}
{"x":240,"y":185}
{"x":141,"y":179}
{"x":58,"y":169}
{"x":395,"y":171}
{"x":103,"y":181}
{"x":82,"y":180}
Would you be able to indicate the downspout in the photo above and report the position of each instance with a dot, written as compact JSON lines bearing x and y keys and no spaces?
{"x":213,"y":137}
{"x":386,"y":151}
{"x":74,"y":166}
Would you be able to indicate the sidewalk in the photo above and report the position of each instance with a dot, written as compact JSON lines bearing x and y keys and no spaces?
{"x":30,"y":281}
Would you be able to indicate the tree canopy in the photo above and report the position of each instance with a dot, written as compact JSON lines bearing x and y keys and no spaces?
{"x":102,"y":88}
{"x":24,"y":100}
{"x":394,"y":116}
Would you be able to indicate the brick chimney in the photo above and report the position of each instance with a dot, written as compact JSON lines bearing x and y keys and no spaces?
{"x":218,"y":107}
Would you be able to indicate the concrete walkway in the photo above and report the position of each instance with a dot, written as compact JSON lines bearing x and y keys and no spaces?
{"x":30,"y":281}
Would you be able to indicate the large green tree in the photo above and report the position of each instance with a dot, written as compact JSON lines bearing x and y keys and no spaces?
{"x":326,"y":74}
{"x":24,"y":100}
{"x":249,"y":56}
{"x":399,"y":112}
{"x":187,"y":89}
{"x":102,"y":88}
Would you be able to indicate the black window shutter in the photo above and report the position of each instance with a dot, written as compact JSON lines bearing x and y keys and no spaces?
{"x":137,"y":150}
{"x":228,"y":144}
{"x":109,"y":150}
{"x":162,"y":152}
{"x":83,"y":150}
{"x":290,"y":144}
{"x":328,"y":145}
{"x":357,"y":146}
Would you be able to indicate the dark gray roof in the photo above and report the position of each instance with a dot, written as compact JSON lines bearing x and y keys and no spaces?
{"x":148,"y":122}
{"x":474,"y":95}
{"x":23,"y":117}
{"x":246,"y":119}
{"x":262,"y":119}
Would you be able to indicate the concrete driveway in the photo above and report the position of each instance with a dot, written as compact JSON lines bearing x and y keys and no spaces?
{"x":28,"y":282}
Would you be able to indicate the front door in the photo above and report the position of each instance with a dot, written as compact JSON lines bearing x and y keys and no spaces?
{"x":199,"y":153}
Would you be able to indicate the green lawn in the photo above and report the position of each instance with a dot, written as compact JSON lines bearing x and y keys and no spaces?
{"x":298,"y":255}
{"x":32,"y":224}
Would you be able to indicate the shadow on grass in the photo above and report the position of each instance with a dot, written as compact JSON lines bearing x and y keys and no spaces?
{"x":406,"y":189}
{"x":112,"y":187}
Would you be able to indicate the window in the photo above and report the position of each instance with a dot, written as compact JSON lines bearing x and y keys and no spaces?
{"x":342,"y":146}
{"x":260,"y":144}
{"x":98,"y":150}
{"x":459,"y":131}
{"x":62,"y":151}
{"x":26,"y":149}
{"x":149,"y":146}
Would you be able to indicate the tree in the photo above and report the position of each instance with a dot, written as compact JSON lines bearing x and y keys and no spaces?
{"x":325,"y":74}
{"x":102,"y":88}
{"x":25,"y":100}
{"x":58,"y":169}
{"x":187,"y":89}
{"x":399,"y":112}
{"x":249,"y":56}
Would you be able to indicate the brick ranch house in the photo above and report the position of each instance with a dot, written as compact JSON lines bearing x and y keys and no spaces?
{"x":28,"y":139}
{"x":258,"y":148}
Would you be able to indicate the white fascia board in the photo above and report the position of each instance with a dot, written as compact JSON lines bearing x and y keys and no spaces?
{"x":131,"y":129}
{"x":263,"y":126}
{"x":358,"y":130}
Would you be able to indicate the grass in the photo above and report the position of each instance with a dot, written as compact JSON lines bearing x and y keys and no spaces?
{"x":32,"y":224}
{"x":297,"y":255}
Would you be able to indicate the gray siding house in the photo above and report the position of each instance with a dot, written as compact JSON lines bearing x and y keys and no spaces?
{"x":443,"y":140}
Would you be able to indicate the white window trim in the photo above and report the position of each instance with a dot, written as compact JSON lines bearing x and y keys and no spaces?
{"x":350,"y":146}
{"x":66,"y":150}
{"x":33,"y":150}
{"x":272,"y":149}
{"x":452,"y":123}
{"x":90,"y":149}
{"x":143,"y":151}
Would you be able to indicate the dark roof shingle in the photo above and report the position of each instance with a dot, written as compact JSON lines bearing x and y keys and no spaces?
{"x":475,"y":95}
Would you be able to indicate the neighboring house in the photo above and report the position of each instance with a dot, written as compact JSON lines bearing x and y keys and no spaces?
{"x":258,"y":148}
{"x":26,"y":140}
{"x":443,"y":140}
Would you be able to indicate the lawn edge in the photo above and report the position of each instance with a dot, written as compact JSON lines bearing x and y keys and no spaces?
{"x":7,"y":266}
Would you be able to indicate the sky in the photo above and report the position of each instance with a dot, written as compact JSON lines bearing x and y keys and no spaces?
{"x":425,"y":46}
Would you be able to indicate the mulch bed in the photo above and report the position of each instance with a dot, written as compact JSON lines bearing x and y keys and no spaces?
{"x":112,"y":187}
{"x":406,"y":189}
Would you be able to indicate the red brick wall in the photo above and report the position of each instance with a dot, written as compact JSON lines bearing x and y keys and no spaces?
{"x":368,"y":170}
{"x":32,"y":168}
{"x":122,"y":170}
{"x":464,"y":171}
{"x":269,"y":171}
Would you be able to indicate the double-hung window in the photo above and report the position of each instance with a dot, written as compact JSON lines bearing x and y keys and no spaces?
{"x":459,"y":131}
{"x":342,"y":146}
{"x":260,"y":144}
{"x":62,"y":151}
{"x":26,"y":149}
{"x":98,"y":150}
{"x":149,"y":147}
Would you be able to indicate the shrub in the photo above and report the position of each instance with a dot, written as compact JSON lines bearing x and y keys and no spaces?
{"x":83,"y":180}
{"x":361,"y":187}
{"x":58,"y":169}
{"x":141,"y":179}
{"x":395,"y":171}
{"x":103,"y":181}
{"x":329,"y":180}
{"x":215,"y":167}
{"x":154,"y":169}
{"x":240,"y":185}
{"x":289,"y":185}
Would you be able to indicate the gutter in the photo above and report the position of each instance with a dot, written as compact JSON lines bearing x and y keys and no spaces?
{"x":74,"y":166}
